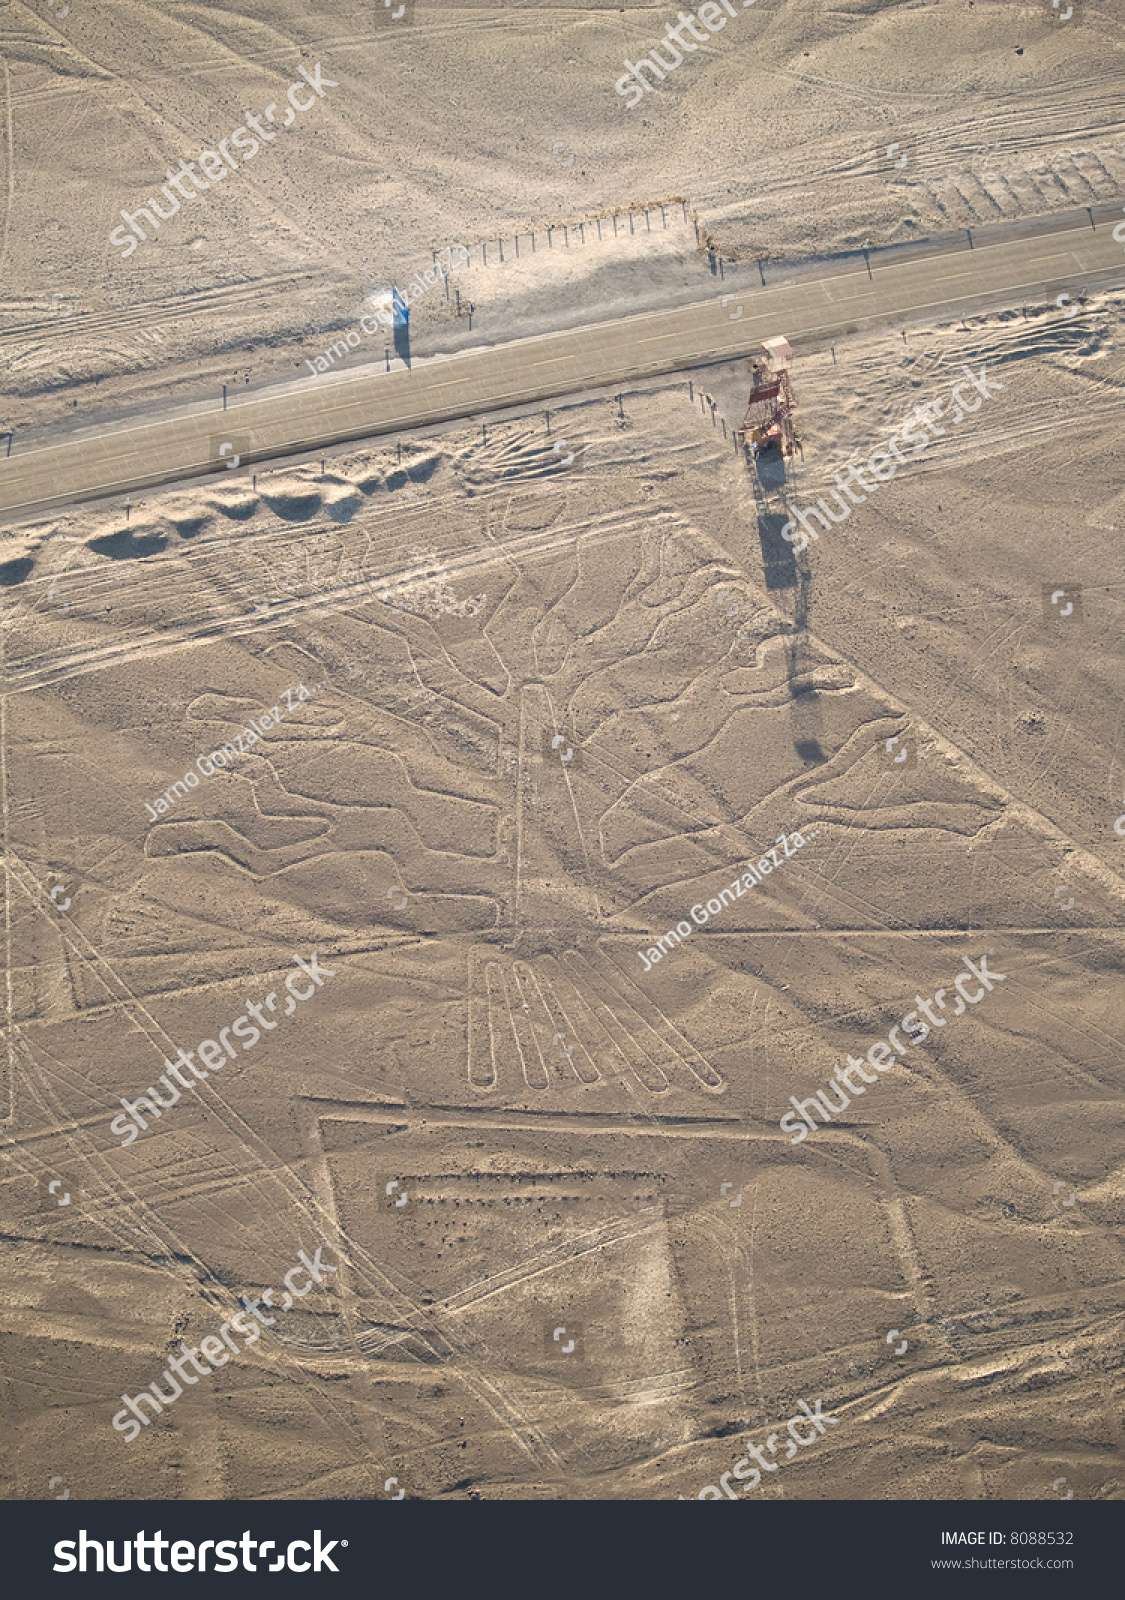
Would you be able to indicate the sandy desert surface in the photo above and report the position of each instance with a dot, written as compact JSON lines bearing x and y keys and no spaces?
{"x":515,"y":715}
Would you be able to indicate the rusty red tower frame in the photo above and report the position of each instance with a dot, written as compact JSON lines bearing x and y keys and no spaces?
{"x":768,"y":423}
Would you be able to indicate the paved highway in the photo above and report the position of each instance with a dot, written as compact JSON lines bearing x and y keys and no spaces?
{"x":319,"y":412}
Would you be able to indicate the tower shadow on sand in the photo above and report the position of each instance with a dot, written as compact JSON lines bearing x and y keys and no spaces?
{"x":783,"y":570}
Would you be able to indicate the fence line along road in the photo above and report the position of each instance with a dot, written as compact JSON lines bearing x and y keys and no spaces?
{"x":331,"y":410}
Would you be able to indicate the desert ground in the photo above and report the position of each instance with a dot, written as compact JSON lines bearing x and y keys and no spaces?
{"x":524,"y":713}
